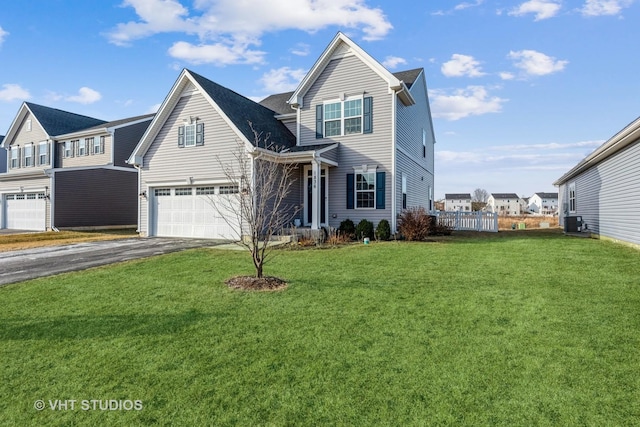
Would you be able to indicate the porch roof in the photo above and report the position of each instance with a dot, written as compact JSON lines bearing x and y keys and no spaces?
{"x":303,"y":153}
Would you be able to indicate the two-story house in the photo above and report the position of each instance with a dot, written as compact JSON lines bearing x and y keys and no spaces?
{"x":504,"y":204}
{"x":66,"y":170}
{"x":361,"y":137}
{"x":457,"y":202}
{"x":543,"y":203}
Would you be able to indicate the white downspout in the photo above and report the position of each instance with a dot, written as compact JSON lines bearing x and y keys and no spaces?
{"x":137,"y":167}
{"x":394,"y":215}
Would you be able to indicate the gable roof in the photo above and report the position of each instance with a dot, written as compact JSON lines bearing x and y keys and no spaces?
{"x":451,"y":196}
{"x":624,"y":138}
{"x":106,"y":126}
{"x":52,"y":120}
{"x":409,"y":77}
{"x":309,"y":79}
{"x":505,"y":196}
{"x":241,"y":113}
{"x":546,"y":195}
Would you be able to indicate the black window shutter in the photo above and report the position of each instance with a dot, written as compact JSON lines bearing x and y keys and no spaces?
{"x":181,"y":136}
{"x":367,"y":118}
{"x":350,"y":190}
{"x":319,"y":121}
{"x":200,"y":134}
{"x":380,"y":193}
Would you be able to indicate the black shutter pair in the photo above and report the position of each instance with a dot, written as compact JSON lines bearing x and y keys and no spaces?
{"x":199,"y":135}
{"x":380,"y":190}
{"x":367,"y":117}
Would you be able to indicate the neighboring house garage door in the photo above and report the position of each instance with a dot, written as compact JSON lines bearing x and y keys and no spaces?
{"x":25,"y":211}
{"x":190,"y":212}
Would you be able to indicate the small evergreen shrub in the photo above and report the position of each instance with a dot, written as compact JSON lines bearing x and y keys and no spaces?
{"x":383,"y":230}
{"x":414,"y":224}
{"x":347,"y":228}
{"x":364,"y":229}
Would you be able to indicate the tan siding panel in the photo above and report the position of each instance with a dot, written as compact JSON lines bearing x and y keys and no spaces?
{"x":88,"y":160}
{"x":24,"y":137}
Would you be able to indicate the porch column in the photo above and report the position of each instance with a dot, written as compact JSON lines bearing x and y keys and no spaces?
{"x":315,"y":194}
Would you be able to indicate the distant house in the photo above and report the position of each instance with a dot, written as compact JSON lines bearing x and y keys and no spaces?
{"x":504,"y":204}
{"x":604,"y":188}
{"x":543,"y":203}
{"x":3,"y":157}
{"x":457,"y":202}
{"x":361,"y":137}
{"x":69,"y":170}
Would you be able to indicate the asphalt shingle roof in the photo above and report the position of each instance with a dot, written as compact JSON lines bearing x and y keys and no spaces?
{"x":121,"y":121}
{"x":505,"y":195}
{"x":547,"y":195}
{"x":59,"y":122}
{"x":408,"y":77}
{"x":245,"y":113}
{"x":452,"y":196}
{"x":313,"y":147}
{"x":278,"y":103}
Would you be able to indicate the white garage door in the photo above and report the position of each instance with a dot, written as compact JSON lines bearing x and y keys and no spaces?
{"x":25,"y":211}
{"x":195,"y":212}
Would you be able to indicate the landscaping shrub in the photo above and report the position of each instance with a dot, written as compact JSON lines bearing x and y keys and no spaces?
{"x":347,"y":228}
{"x":337,"y":237}
{"x":414,"y":224}
{"x":383,"y":230}
{"x":364,"y":229}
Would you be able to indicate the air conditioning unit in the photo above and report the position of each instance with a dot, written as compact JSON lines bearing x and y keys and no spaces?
{"x":572,"y":224}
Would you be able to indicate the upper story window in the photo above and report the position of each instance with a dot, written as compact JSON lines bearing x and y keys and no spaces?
{"x":28,"y":155}
{"x":98,"y":145}
{"x":68,"y":149}
{"x":424,"y":143}
{"x":404,"y":191}
{"x":346,"y":117}
{"x":82,"y":147}
{"x":43,"y":153}
{"x":191,"y":135}
{"x":15,"y":163}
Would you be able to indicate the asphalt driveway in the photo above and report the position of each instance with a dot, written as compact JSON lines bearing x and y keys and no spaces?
{"x":17,"y":266}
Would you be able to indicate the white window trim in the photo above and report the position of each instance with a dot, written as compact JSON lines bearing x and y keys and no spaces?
{"x":97,"y":145}
{"x":68,"y":149}
{"x":82,"y":147}
{"x":45,"y":145}
{"x":572,"y":189}
{"x":15,"y":158}
{"x":404,"y":202}
{"x":31,"y":157}
{"x":355,"y":187}
{"x":342,"y":115}
{"x":191,"y":127}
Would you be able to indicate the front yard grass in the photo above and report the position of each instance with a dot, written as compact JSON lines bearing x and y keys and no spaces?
{"x":516,"y":329}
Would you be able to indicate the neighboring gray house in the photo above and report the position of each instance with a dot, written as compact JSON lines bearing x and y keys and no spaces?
{"x":3,"y":157}
{"x":65,"y":170}
{"x":504,"y":204}
{"x":604,"y":188}
{"x":543,"y":203}
{"x":361,"y":137}
{"x":457,"y":202}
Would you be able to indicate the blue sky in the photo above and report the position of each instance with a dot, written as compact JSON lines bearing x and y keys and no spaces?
{"x":520,"y":90}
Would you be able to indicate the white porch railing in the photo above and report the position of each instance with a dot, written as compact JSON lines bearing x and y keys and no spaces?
{"x":469,"y":221}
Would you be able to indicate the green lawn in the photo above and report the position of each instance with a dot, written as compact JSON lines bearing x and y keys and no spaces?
{"x":512,"y":329}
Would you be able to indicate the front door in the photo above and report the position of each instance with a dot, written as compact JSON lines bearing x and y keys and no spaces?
{"x":308,"y":197}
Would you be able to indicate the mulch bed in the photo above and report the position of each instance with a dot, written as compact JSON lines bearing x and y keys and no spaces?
{"x":251,"y":283}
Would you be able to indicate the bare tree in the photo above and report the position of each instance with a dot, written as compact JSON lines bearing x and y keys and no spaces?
{"x":479,"y":199}
{"x":256,"y":207}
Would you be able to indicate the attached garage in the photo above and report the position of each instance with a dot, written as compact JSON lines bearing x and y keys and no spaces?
{"x":195,"y":212}
{"x":25,"y":211}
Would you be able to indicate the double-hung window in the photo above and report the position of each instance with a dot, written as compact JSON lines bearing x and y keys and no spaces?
{"x":97,"y":145}
{"x":191,"y":135}
{"x":82,"y":147}
{"x":28,"y":155}
{"x":42,"y":153}
{"x":68,"y":149}
{"x":365,"y":190}
{"x":343,"y":117}
{"x":15,"y":162}
{"x":572,"y":197}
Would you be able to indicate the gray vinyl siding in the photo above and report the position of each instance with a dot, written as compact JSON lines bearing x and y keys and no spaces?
{"x":351,"y":76}
{"x":608,"y":196}
{"x":95,"y":197}
{"x":90,"y":159}
{"x":125,"y":140}
{"x":165,"y":161}
{"x":26,"y":185}
{"x":411,"y":121}
{"x":24,"y":137}
{"x":331,"y":155}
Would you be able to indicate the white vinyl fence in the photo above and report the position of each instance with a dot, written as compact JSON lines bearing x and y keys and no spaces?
{"x":469,"y":221}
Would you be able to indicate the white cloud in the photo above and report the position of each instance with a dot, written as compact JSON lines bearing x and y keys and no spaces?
{"x":504,"y":75}
{"x":467,"y":5}
{"x":153,"y":109}
{"x":471,"y":101}
{"x":13,"y":92}
{"x":301,"y":49}
{"x":85,"y":96}
{"x":392,"y":62}
{"x":543,"y":9}
{"x":3,"y":35}
{"x":604,"y":7}
{"x":536,"y":63}
{"x":282,"y":79}
{"x":462,"y":65}
{"x":548,"y":146}
{"x":228,"y":30}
